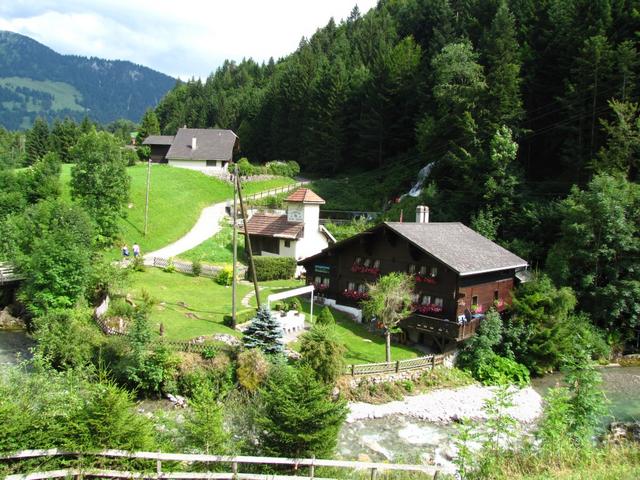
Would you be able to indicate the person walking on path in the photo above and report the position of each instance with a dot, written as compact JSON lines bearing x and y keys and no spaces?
{"x":136,"y":250}
{"x":125,"y":250}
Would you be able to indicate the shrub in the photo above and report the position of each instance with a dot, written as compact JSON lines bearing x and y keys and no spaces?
{"x":170,"y":268}
{"x":323,"y":351}
{"x":137,"y":264}
{"x":284,"y":169}
{"x":253,"y":369}
{"x":130,"y":156}
{"x":497,"y":370}
{"x":119,"y":307}
{"x":203,"y":426}
{"x":274,"y":268}
{"x":325,"y":317}
{"x":245,"y":168}
{"x":196,"y":268}
{"x":224,"y":277}
{"x":293,"y":304}
{"x":209,"y":352}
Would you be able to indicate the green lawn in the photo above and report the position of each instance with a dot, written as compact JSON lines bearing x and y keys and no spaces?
{"x":190,"y":306}
{"x":176,"y":198}
{"x":218,"y":250}
{"x":187,"y":306}
{"x":362,"y":345}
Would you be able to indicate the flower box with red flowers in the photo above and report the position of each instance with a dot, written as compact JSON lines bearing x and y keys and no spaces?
{"x":425,"y":309}
{"x":356,"y":268}
{"x":355,"y":295}
{"x":425,"y":279}
{"x":321,"y":287}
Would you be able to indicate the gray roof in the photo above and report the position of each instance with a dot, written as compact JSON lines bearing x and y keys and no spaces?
{"x":459,"y":247}
{"x":211,"y":144}
{"x":158,"y":140}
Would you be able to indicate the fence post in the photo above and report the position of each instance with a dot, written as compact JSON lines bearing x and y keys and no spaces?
{"x":234,"y":469}
{"x":353,"y":370}
{"x":397,"y":366}
{"x":158,"y":466}
{"x":433,"y":362}
{"x":312,"y":467}
{"x":374,"y":473}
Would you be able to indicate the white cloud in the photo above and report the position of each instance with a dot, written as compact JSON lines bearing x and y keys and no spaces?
{"x":185,"y":38}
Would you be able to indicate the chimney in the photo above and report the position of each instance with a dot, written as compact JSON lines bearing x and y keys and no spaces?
{"x":422,"y":214}
{"x":193,"y":143}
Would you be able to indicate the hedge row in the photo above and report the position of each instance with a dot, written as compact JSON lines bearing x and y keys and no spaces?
{"x":274,"y":268}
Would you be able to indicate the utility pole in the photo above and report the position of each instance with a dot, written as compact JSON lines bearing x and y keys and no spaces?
{"x":247,"y":241}
{"x":146,"y":206}
{"x":235,"y":247}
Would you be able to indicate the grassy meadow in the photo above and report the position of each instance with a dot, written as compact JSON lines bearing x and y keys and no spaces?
{"x":176,"y":198}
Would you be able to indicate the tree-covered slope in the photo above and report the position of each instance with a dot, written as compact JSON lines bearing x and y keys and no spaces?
{"x":36,"y":81}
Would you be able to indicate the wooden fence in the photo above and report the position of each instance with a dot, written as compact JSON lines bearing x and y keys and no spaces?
{"x":426,"y":362}
{"x":309,"y":464}
{"x":182,"y":266}
{"x":275,"y":191}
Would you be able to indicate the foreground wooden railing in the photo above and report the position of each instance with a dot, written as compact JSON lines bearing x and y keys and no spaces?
{"x":234,"y":461}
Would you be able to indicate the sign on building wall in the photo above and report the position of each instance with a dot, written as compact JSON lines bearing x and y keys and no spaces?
{"x":322,"y":269}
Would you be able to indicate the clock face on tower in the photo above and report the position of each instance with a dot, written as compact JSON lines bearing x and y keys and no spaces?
{"x":295,"y":215}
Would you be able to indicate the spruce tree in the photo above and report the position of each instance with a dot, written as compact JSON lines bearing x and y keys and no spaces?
{"x":37,"y":141}
{"x":325,"y":317}
{"x":264,"y":333}
{"x":299,"y":420}
{"x":148,"y":126}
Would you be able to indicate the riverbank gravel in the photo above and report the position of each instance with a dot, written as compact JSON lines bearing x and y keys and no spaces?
{"x":451,"y":405}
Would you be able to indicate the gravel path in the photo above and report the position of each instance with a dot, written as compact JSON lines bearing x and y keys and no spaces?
{"x":206,"y":227}
{"x":449,"y":405}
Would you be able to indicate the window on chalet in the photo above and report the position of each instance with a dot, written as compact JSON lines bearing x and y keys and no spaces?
{"x":317,"y":280}
{"x":326,"y":281}
{"x":412,"y":269}
{"x":287,"y":243}
{"x":415,"y":297}
{"x":434,"y":271}
{"x":495,"y":295}
{"x":426,"y":300}
{"x":367,"y":262}
{"x":376,"y":264}
{"x":438,"y":301}
{"x":423,"y":270}
{"x":358,"y":260}
{"x":362,"y":288}
{"x":474,"y":300}
{"x":351,"y":286}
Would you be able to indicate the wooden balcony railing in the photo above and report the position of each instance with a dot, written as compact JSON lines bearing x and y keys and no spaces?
{"x":442,"y":328}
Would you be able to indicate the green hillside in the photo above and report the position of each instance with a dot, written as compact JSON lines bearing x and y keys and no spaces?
{"x":36,"y":81}
{"x":176,"y":198}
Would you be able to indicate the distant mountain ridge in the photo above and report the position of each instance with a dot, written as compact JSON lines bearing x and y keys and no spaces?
{"x":37,"y":81}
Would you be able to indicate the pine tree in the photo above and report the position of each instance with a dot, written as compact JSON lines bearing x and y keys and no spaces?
{"x":299,"y":420}
{"x":64,"y":136}
{"x":37,"y":142}
{"x":148,"y":126}
{"x":504,"y":103}
{"x":264,"y":333}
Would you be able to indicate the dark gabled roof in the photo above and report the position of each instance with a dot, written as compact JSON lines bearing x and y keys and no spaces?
{"x":158,"y":140}
{"x":454,"y":244}
{"x":211,"y":144}
{"x":304,"y":195}
{"x":274,"y":226}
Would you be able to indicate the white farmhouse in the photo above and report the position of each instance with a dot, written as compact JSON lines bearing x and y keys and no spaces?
{"x":297,"y":234}
{"x":208,"y":150}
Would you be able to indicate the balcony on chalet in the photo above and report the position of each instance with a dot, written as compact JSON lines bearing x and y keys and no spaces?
{"x":442,"y":328}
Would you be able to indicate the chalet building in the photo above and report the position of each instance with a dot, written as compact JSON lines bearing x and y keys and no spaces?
{"x":459,"y":275}
{"x":297,"y":233}
{"x":204,"y":149}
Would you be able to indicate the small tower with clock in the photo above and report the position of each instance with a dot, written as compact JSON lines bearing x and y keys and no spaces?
{"x":303,"y":206}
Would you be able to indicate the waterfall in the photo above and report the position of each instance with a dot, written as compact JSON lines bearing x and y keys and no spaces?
{"x":423,"y":174}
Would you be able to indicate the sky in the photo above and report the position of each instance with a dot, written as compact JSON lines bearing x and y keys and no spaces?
{"x":182,"y":38}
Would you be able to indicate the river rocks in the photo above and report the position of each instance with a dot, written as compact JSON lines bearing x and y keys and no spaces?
{"x":9,"y":322}
{"x":623,"y":431}
{"x":632,"y":360}
{"x":450,"y":405}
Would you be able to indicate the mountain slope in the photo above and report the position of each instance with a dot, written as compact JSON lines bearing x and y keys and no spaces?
{"x":36,"y":81}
